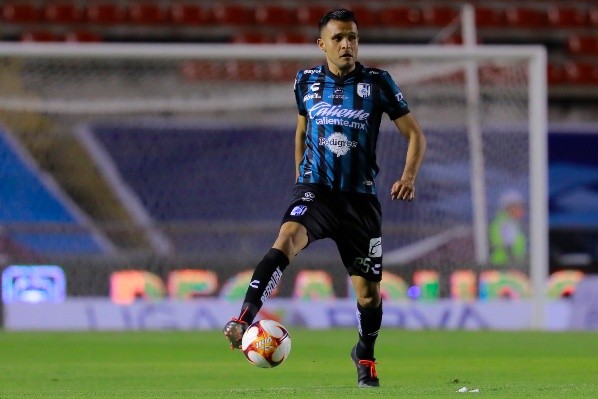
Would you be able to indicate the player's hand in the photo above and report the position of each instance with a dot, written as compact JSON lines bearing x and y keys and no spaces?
{"x":403,"y":190}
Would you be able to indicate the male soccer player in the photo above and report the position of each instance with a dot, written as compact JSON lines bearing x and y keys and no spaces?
{"x":340,"y":107}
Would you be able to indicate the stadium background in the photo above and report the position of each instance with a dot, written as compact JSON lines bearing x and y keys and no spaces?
{"x":567,"y":31}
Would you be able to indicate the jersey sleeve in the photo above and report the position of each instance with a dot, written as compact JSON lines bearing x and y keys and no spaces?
{"x":393,"y":102}
{"x":298,"y":96}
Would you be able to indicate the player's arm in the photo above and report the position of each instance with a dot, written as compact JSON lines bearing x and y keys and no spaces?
{"x":404,"y":188}
{"x":300,"y":142}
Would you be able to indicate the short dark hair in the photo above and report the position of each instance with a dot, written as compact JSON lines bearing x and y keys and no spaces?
{"x":342,"y":14}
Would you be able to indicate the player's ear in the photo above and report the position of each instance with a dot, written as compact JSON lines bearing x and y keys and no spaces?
{"x":321,"y":44}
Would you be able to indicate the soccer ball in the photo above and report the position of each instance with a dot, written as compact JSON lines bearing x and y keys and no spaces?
{"x":266,"y":343}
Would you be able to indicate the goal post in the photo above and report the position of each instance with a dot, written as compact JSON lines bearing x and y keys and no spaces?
{"x":106,"y":91}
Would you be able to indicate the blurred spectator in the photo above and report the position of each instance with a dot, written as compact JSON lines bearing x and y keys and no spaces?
{"x":508,"y":241}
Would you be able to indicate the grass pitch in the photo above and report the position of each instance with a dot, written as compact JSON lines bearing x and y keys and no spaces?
{"x":412,"y":364}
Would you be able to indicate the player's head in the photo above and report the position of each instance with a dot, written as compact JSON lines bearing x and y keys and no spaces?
{"x":339,"y":39}
{"x":512,"y":201}
{"x":342,"y":15}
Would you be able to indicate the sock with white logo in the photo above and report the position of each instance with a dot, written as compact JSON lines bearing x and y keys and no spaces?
{"x":370,"y":320}
{"x":265,"y":278}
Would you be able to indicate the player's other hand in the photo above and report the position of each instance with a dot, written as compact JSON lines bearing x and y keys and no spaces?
{"x":403,"y":190}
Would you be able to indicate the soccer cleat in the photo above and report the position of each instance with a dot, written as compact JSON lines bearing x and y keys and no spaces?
{"x":366,"y":371}
{"x":233,"y":331}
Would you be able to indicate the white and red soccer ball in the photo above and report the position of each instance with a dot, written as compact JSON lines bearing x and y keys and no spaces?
{"x":266,"y":343}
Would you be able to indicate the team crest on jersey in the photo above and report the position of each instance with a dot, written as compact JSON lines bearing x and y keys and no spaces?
{"x":364,"y":90}
{"x":299,"y":210}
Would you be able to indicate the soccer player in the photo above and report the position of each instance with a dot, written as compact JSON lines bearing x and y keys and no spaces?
{"x":340,"y":106}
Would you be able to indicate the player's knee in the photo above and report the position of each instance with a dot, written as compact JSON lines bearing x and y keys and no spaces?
{"x":372,"y":301}
{"x":291,"y":239}
{"x":369,"y":299}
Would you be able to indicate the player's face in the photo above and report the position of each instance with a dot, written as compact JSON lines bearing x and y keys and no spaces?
{"x":339,"y":41}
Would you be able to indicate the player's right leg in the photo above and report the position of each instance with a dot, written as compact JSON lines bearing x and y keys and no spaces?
{"x":266,"y":276}
{"x":264,"y":280}
{"x":291,"y":239}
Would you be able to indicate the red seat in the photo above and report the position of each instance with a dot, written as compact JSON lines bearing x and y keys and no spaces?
{"x":439,"y":16}
{"x":41,"y":36}
{"x":400,"y":17}
{"x":82,"y":36}
{"x":525,"y":17}
{"x":489,"y":17}
{"x":283,"y":71}
{"x":233,"y":14}
{"x":20,"y":13}
{"x":582,"y":73}
{"x":148,"y":14}
{"x":310,"y":15}
{"x":189,"y":14}
{"x":251,"y":37}
{"x":593,"y":16}
{"x":366,"y":16}
{"x":566,"y":17}
{"x":556,"y":74}
{"x":62,"y":13}
{"x":293,"y":37}
{"x":105,"y":13}
{"x":582,"y":45}
{"x":275,"y":16}
{"x":244,"y":70}
{"x":202,"y":70}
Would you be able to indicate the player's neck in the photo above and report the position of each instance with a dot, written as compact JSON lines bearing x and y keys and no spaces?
{"x":341,"y":73}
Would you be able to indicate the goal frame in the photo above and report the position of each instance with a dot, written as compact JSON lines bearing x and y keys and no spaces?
{"x":534,"y":55}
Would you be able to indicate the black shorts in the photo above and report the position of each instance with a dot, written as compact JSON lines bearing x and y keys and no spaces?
{"x":352,"y":220}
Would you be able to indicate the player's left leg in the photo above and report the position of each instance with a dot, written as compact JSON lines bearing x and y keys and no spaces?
{"x":360,"y":246}
{"x":369,"y":318}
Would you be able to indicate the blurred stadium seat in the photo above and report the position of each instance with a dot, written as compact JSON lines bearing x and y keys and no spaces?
{"x":401,"y":17}
{"x":251,"y":37}
{"x":202,"y":70}
{"x":367,"y":17}
{"x":189,"y":14}
{"x":566,"y":17}
{"x":20,"y":12}
{"x":233,"y":14}
{"x":293,"y":37}
{"x":582,"y":44}
{"x":489,"y":17}
{"x":526,"y":17}
{"x":274,"y":15}
{"x":82,"y":36}
{"x":143,"y":13}
{"x":41,"y":35}
{"x":439,"y":15}
{"x":105,"y":13}
{"x":62,"y":13}
{"x":581,"y":73}
{"x":556,"y":74}
{"x":310,"y":14}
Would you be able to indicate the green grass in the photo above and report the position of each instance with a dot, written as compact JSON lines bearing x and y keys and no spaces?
{"x":412,"y":364}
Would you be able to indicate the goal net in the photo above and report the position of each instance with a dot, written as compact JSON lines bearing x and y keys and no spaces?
{"x":182,"y":155}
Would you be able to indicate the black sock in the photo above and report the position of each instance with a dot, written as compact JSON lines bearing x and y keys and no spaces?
{"x":265,"y":278}
{"x":369,"y":321}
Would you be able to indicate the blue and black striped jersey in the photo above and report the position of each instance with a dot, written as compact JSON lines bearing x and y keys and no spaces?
{"x":343,"y":122}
